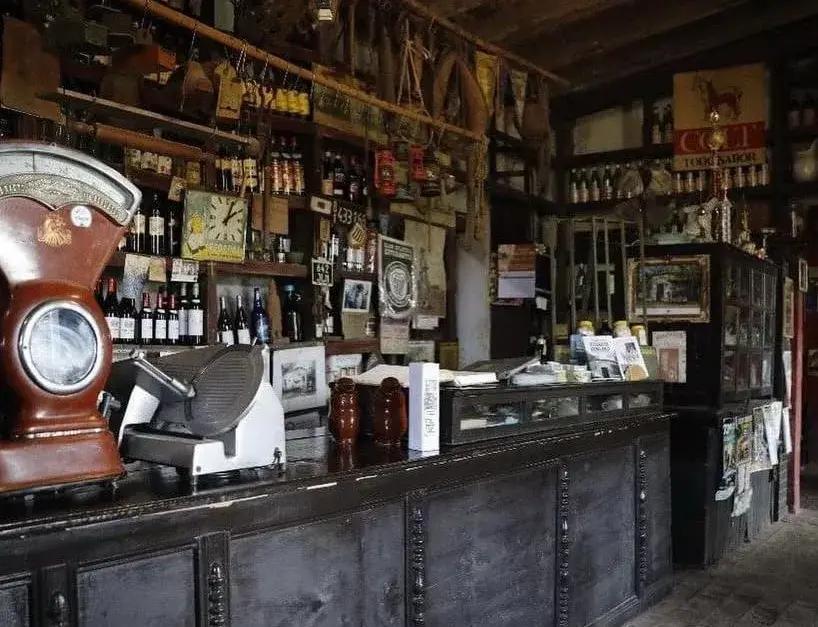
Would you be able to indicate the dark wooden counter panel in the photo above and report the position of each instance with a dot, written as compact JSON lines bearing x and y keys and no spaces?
{"x":568,"y":529}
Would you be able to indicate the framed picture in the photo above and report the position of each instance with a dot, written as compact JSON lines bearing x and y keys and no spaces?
{"x":300,"y":377}
{"x":788,"y":316}
{"x":675,"y":289}
{"x":357,"y":296}
{"x":803,"y":276}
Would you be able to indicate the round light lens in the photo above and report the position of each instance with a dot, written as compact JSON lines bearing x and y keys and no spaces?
{"x":59,"y":347}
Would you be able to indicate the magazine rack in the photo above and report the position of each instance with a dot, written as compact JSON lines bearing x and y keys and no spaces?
{"x":472,"y":414}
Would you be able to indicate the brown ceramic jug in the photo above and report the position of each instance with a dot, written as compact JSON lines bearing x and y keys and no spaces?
{"x":345,"y":416}
{"x":390,"y":421}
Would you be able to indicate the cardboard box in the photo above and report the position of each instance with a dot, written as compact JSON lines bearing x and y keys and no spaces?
{"x":424,"y":407}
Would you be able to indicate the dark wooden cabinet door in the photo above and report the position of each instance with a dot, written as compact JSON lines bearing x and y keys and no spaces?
{"x":154,"y":591}
{"x":655,"y":548}
{"x":15,"y":603}
{"x":601,"y":560}
{"x":347,"y":571}
{"x":490,"y":553}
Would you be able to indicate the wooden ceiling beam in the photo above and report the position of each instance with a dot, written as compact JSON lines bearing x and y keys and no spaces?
{"x":617,"y":27}
{"x":732,"y":25}
{"x":453,"y":8}
{"x":514,"y":16}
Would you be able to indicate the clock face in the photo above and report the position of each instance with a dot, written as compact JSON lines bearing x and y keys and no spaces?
{"x":226,"y":219}
{"x":214,"y":226}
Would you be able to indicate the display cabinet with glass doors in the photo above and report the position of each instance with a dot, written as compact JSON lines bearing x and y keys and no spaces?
{"x":715,"y":329}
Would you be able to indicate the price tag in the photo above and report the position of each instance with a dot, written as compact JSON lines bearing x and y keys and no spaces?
{"x":321,"y":205}
{"x":322,"y":272}
{"x":177,"y":186}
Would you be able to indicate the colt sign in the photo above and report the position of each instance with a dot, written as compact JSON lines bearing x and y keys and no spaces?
{"x":739,"y":96}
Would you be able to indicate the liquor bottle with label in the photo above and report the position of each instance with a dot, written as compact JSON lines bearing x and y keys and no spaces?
{"x":275,"y":178}
{"x":326,"y":174}
{"x":173,"y":321}
{"x":136,"y":232}
{"x":339,"y":178}
{"x":573,"y":187}
{"x":241,"y":324}
{"x":260,"y":323}
{"x":354,"y":182}
{"x":607,"y":184}
{"x":173,"y":229}
{"x":160,"y":320}
{"x":237,"y":172}
{"x":226,"y":332}
{"x":195,"y":319}
{"x":656,"y":126}
{"x":156,"y":228}
{"x":127,"y":321}
{"x":286,"y":168}
{"x":582,"y":186}
{"x":595,"y":187}
{"x":293,"y":328}
{"x":111,"y":310}
{"x":146,"y":320}
{"x":298,"y":168}
{"x":667,"y":125}
{"x":224,"y":172}
{"x":183,"y":307}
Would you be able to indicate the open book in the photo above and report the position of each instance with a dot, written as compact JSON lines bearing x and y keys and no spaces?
{"x":614,"y":358}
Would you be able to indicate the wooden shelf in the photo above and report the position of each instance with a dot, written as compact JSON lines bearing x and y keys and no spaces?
{"x":117,"y":260}
{"x":263,"y":269}
{"x":335,"y":135}
{"x":654,"y":151}
{"x":140,"y":119}
{"x":352,"y":347}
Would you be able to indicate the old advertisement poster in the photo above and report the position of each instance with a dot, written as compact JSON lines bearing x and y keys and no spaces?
{"x":738,"y":94}
{"x":396,"y":277}
{"x":429,"y":243}
{"x":671,"y":353}
{"x":516,"y":271}
{"x":728,"y":461}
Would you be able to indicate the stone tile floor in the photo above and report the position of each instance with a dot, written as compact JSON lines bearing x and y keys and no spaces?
{"x":771,"y":582}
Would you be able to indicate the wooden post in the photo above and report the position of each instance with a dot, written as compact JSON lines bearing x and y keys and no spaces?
{"x":796,"y":406}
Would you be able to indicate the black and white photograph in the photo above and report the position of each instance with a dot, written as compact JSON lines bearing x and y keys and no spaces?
{"x":299,"y":377}
{"x":357,"y":296}
{"x":673,"y":288}
{"x":396,"y":277}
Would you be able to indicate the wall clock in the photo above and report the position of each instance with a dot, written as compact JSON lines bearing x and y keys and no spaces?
{"x":215,"y":227}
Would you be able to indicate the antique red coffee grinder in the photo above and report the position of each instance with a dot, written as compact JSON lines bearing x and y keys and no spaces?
{"x":62,"y":214}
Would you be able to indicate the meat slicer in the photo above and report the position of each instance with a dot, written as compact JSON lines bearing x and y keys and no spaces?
{"x":204,"y":411}
{"x":62,"y":214}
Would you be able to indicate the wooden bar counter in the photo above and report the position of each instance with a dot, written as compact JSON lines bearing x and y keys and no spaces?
{"x":568,"y":528}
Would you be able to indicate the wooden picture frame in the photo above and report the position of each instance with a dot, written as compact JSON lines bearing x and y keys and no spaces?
{"x":677,"y":290}
{"x":803,"y":275}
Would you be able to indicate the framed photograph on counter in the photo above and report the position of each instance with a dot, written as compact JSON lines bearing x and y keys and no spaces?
{"x":675,"y":289}
{"x":299,"y":377}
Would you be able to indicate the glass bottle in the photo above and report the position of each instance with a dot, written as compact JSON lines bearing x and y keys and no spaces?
{"x":656,"y":126}
{"x":182,"y":313}
{"x":354,"y":182}
{"x":195,"y":319}
{"x":286,"y":169}
{"x":226,"y":335}
{"x":326,"y":174}
{"x":173,"y":229}
{"x":146,"y":320}
{"x":111,"y":310}
{"x":136,"y":232}
{"x":260,"y":322}
{"x":667,"y":125}
{"x":173,"y":321}
{"x":160,"y":320}
{"x":224,"y":171}
{"x":156,"y":228}
{"x":240,"y":323}
{"x":297,"y":160}
{"x":127,"y":321}
{"x":293,"y":328}
{"x":237,"y":172}
{"x":339,"y":178}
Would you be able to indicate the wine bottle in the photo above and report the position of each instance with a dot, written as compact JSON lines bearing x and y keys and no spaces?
{"x":326,"y":174}
{"x":136,"y":232}
{"x":339,"y":178}
{"x":127,"y":322}
{"x":293,"y":326}
{"x":111,"y":310}
{"x":241,"y":325}
{"x":173,"y":229}
{"x":195,"y":319}
{"x":160,"y":320}
{"x":156,"y":228}
{"x":183,"y":308}
{"x":354,"y":179}
{"x":224,"y":171}
{"x":260,"y":322}
{"x":146,"y":320}
{"x":226,"y":335}
{"x":173,"y":321}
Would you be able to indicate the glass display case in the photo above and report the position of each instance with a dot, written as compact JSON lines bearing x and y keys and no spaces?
{"x":472,"y":414}
{"x":730,"y":351}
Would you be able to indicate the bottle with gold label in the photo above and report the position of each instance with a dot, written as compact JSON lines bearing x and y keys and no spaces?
{"x":639,"y":332}
{"x":585,"y":327}
{"x":248,"y":164}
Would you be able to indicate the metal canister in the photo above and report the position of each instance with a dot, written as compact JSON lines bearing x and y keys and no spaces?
{"x":640,"y":333}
